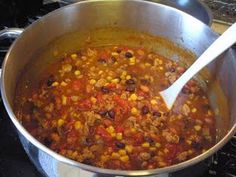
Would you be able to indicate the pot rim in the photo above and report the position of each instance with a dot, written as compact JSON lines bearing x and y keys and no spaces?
{"x":68,"y":161}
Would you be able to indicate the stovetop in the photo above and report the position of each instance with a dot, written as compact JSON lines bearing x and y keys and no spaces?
{"x":13,"y":160}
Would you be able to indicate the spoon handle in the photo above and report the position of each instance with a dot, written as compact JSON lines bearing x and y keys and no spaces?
{"x":221,"y":44}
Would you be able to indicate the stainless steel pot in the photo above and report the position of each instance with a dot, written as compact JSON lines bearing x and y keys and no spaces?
{"x":196,"y":8}
{"x":144,"y":16}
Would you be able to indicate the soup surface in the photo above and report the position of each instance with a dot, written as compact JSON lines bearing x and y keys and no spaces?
{"x":100,"y":106}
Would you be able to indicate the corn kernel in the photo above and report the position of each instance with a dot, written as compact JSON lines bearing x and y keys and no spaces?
{"x":190,"y":152}
{"x":128,"y":77}
{"x":64,"y":99}
{"x":189,"y":142}
{"x":97,"y":137}
{"x":77,"y":72}
{"x":115,"y":155}
{"x":153,"y":102}
{"x":153,"y":148}
{"x":130,"y":63}
{"x":78,"y":125}
{"x":197,"y":127}
{"x":194,"y":110}
{"x":134,"y":111}
{"x":140,"y":52}
{"x":158,"y":145}
{"x":161,"y":68}
{"x":74,"y":98}
{"x":92,"y":81}
{"x":146,"y":145}
{"x":67,"y":68}
{"x":74,"y":56}
{"x":124,"y":158}
{"x":114,"y":54}
{"x":124,"y":73}
{"x":133,"y":130}
{"x":63,"y":84}
{"x":110,"y":129}
{"x":93,"y":100}
{"x":113,"y":135}
{"x":60,"y":122}
{"x":162,"y":164}
{"x":129,"y":148}
{"x":133,"y":97}
{"x":109,"y":78}
{"x":104,"y":158}
{"x":132,"y":60}
{"x":55,"y":137}
{"x":119,"y":136}
{"x":122,"y":152}
{"x":100,"y":72}
{"x":147,"y":64}
{"x":166,"y":151}
{"x":115,"y":81}
{"x":144,"y":88}
{"x":54,"y":84}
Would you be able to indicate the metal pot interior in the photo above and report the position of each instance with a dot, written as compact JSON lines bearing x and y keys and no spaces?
{"x":114,"y":22}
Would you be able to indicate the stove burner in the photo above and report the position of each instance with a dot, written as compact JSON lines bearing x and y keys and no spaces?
{"x":224,"y":10}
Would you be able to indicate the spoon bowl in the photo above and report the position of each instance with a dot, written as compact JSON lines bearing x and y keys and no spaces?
{"x":225,"y":41}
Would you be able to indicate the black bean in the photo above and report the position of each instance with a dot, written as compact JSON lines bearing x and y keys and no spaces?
{"x":166,"y":114}
{"x":79,"y":53}
{"x":128,"y":55}
{"x":102,"y":113}
{"x":156,"y":114}
{"x":111,"y":114}
{"x":186,"y":90}
{"x":88,"y":141}
{"x":150,"y":140}
{"x":47,"y":142}
{"x":118,"y":50}
{"x":50,"y":80}
{"x":152,"y":153}
{"x":102,"y":60}
{"x":87,"y":161}
{"x":145,"y":109}
{"x":130,"y":82}
{"x":113,"y":59}
{"x":105,"y":89}
{"x":120,"y":145}
{"x":196,"y":145}
{"x":206,"y":107}
{"x":181,"y":139}
{"x":172,"y":69}
{"x":130,"y":88}
{"x":144,"y":81}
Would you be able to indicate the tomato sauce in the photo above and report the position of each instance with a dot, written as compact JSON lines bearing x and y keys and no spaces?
{"x":101,"y":106}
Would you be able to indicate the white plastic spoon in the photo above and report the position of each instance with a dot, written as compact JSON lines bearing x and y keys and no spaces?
{"x":225,"y":41}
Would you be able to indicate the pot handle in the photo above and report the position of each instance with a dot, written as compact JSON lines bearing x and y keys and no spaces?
{"x":10,"y":33}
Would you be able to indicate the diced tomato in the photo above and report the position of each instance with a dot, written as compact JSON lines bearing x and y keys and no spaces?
{"x":85,"y":104}
{"x":107,"y":122}
{"x":103,"y":133}
{"x":138,"y":138}
{"x":142,"y":94}
{"x":104,"y":55}
{"x":123,"y":103}
{"x":99,"y":97}
{"x":76,"y":84}
{"x":111,"y":86}
{"x":120,"y":129}
{"x":173,"y":150}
